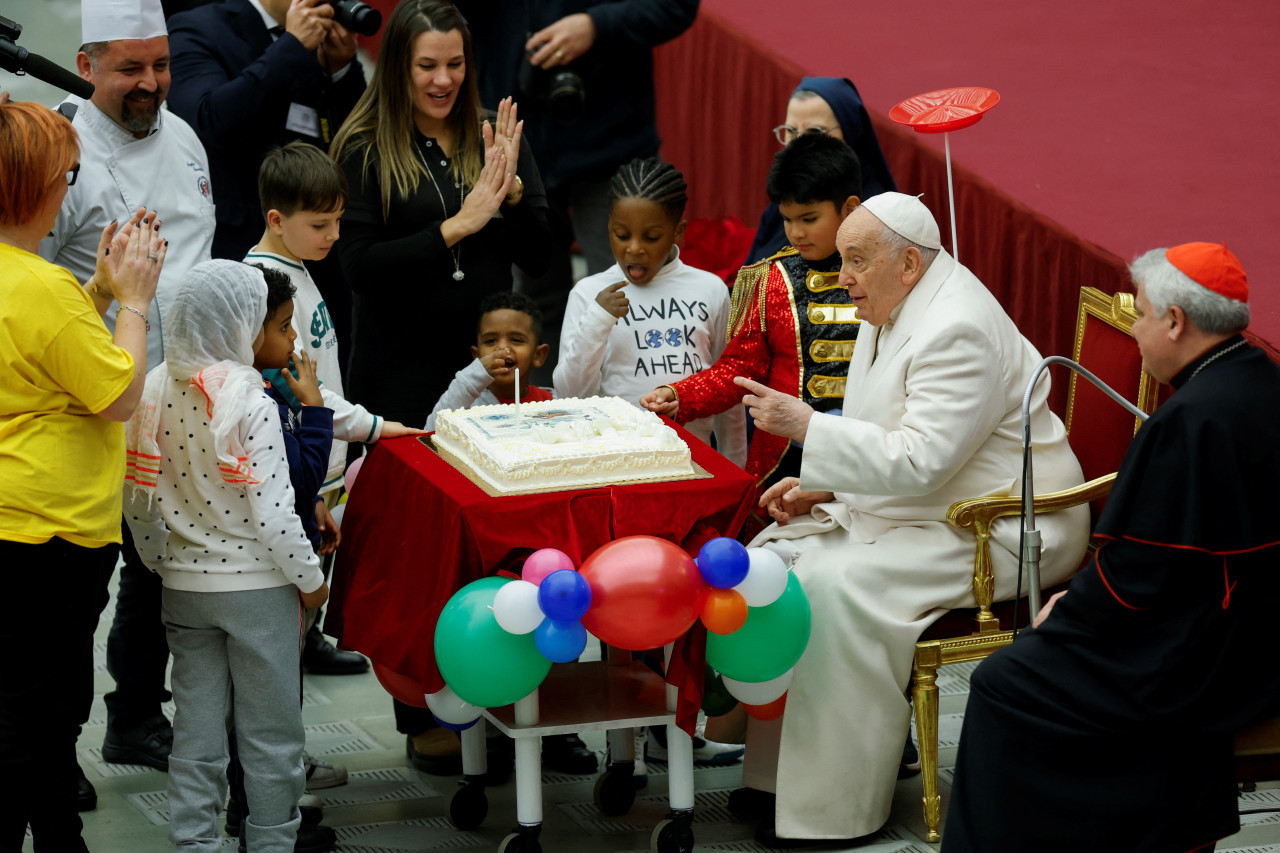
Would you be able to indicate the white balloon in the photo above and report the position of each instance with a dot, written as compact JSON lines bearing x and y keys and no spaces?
{"x":759,"y":692}
{"x":765,"y":580}
{"x":450,"y":708}
{"x":337,"y":512}
{"x":516,"y":607}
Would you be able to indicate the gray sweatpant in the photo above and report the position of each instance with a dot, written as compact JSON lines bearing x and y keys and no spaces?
{"x":235,"y":657}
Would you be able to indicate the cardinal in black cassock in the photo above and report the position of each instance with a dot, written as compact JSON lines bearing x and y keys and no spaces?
{"x":1109,"y":727}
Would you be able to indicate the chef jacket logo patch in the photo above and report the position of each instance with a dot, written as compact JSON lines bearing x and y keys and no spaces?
{"x":202,"y":184}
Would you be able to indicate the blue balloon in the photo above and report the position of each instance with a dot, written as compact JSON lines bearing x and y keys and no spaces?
{"x":564,"y":595}
{"x":560,"y":642}
{"x":723,"y":562}
{"x":455,"y":727}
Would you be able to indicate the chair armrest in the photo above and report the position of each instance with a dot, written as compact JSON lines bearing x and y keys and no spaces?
{"x":977,"y":514}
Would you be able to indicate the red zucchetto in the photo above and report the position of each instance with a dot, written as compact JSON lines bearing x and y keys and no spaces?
{"x":1211,"y":265}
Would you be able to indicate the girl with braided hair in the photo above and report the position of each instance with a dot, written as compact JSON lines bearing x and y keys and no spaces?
{"x":649,"y":319}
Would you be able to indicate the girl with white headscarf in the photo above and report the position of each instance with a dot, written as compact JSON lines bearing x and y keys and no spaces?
{"x":211,"y":509}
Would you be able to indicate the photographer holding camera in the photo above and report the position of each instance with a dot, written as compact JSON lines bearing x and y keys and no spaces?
{"x":582,"y":71}
{"x":251,"y":75}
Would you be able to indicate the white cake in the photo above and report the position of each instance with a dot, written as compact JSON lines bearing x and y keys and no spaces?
{"x":563,"y":444}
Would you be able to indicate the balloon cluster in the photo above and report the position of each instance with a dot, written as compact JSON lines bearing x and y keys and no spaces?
{"x":497,"y":637}
{"x":550,"y":601}
{"x":758,"y":621}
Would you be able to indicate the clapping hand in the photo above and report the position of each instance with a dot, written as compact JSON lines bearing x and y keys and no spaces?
{"x":486,"y":196}
{"x":130,"y":259}
{"x":613,"y":300}
{"x":306,"y":387}
{"x":504,"y":135}
{"x":785,"y":500}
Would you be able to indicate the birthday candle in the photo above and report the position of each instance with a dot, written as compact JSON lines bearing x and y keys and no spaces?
{"x":517,"y":395}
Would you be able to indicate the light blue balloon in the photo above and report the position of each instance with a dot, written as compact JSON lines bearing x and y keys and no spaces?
{"x":560,"y":642}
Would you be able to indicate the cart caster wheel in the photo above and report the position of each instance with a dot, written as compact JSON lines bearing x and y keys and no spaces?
{"x":469,"y":806}
{"x":671,"y":836}
{"x":614,"y":792}
{"x":522,"y":841}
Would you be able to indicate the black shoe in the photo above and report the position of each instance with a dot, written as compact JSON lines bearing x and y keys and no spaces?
{"x":148,"y":743}
{"x":322,"y":658}
{"x":311,"y":839}
{"x":910,"y":765}
{"x":751,"y":804}
{"x":568,"y":754}
{"x":86,"y":796}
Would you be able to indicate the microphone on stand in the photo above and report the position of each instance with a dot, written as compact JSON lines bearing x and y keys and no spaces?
{"x":19,"y":60}
{"x":1030,"y":539}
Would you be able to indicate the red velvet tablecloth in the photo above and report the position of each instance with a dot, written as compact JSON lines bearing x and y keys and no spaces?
{"x":416,"y":530}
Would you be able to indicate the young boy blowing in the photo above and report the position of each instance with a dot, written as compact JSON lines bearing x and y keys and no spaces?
{"x":650,"y":318}
{"x":508,"y":336}
{"x":303,"y":195}
{"x":792,"y":325}
{"x":211,"y":507}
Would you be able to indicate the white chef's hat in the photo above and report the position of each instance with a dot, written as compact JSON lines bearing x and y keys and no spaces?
{"x":114,"y":20}
{"x":906,"y":215}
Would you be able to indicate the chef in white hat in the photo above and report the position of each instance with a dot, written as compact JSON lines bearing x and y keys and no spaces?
{"x":133,"y":153}
{"x":932,"y":415}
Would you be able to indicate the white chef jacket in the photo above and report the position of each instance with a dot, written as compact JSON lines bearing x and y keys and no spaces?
{"x":167,"y":171}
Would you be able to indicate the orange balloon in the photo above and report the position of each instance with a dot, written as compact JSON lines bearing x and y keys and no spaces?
{"x":725,"y":611}
{"x":772,"y":711}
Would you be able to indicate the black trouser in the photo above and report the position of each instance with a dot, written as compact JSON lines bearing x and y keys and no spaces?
{"x":137,"y":648}
{"x":55,"y":592}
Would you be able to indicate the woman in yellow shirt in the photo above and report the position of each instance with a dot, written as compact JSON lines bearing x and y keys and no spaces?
{"x":66,"y":384}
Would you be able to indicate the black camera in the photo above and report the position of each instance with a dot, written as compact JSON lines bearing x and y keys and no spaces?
{"x":356,"y":16}
{"x":560,"y":89}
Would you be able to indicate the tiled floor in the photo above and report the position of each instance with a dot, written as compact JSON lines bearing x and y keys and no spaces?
{"x":389,"y":808}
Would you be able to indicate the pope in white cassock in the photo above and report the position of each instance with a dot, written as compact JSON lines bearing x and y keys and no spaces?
{"x":932,"y":415}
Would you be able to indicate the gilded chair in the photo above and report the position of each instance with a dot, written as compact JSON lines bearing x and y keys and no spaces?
{"x":1099,"y":432}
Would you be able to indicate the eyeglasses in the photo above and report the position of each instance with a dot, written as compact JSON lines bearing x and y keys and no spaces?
{"x":784,"y":133}
{"x":72,"y":174}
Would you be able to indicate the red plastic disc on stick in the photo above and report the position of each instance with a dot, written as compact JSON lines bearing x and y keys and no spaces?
{"x":946,"y":109}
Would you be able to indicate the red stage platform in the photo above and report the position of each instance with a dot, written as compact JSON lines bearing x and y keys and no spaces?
{"x":1121,"y":127}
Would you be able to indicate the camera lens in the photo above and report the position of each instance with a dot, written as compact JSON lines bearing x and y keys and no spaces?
{"x":356,"y":16}
{"x":566,"y":96}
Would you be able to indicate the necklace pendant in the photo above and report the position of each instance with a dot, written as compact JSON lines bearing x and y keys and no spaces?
{"x":459,"y":275}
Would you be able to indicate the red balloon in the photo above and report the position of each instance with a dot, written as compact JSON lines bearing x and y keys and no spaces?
{"x":771,"y":711}
{"x":725,"y":611}
{"x":401,"y":687}
{"x":645,"y":592}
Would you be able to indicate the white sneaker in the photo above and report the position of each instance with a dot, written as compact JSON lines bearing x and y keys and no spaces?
{"x":706,"y":753}
{"x":321,"y":774}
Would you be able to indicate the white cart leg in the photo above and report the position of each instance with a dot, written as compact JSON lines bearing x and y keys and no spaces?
{"x":528,"y":765}
{"x":475,"y":761}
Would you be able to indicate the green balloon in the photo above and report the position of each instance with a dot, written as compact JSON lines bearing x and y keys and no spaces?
{"x":716,"y":698}
{"x":769,"y":643}
{"x":484,"y":664}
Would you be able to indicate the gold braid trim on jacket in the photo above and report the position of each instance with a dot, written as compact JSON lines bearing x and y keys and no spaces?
{"x":749,"y":289}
